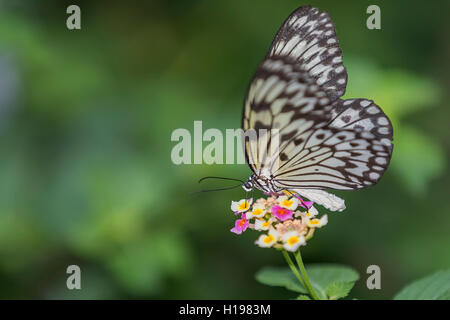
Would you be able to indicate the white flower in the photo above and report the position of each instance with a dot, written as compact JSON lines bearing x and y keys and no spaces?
{"x":311,"y":213}
{"x":317,"y":223}
{"x":288,"y":203}
{"x":292,"y":240}
{"x":258,"y":211}
{"x":241,"y":205}
{"x":261,"y":224}
{"x":267,"y":240}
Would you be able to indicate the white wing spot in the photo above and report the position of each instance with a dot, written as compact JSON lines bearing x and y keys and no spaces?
{"x":367,"y":135}
{"x":374,"y":175}
{"x":364,"y":103}
{"x":324,"y":101}
{"x":382,"y":121}
{"x":341,"y":154}
{"x":372,"y":110}
{"x":378,"y":148}
{"x":347,"y":102}
{"x":386,"y":141}
{"x":332,"y":50}
{"x":300,"y":21}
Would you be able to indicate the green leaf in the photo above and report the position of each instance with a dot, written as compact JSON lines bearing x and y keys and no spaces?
{"x":280,"y":277}
{"x":432,"y":287}
{"x":303,"y":297}
{"x":339,"y":289}
{"x":321,"y":276}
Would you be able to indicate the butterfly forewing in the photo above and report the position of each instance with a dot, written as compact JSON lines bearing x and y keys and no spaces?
{"x":309,"y":37}
{"x":284,"y":99}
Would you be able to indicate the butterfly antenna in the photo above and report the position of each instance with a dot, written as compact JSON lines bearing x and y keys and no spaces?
{"x":218,"y":189}
{"x":223,"y":178}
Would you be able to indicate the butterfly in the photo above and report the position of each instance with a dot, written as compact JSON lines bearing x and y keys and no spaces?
{"x":322,"y":142}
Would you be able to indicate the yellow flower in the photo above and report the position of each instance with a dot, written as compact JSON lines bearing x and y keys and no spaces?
{"x":267,"y":240}
{"x":241,"y":205}
{"x":288,"y":203}
{"x":317,"y":223}
{"x":257,"y":212}
{"x":261,"y":224}
{"x":292,"y":241}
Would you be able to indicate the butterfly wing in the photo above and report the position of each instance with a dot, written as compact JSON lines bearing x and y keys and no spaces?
{"x":359,"y":115}
{"x":284,"y":98}
{"x":362,"y":115}
{"x":317,"y":148}
{"x":330,"y":158}
{"x":308,"y":36}
{"x":323,"y":142}
{"x":323,"y":198}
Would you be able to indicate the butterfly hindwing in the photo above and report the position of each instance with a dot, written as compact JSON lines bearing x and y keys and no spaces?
{"x":323,"y":198}
{"x":332,"y":158}
{"x":362,"y":115}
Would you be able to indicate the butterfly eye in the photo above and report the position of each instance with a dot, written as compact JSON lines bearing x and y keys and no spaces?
{"x":247,"y":186}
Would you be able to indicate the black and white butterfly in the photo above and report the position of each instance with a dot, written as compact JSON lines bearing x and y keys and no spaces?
{"x":324,"y":142}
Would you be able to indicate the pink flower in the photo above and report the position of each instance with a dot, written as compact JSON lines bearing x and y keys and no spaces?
{"x":281,"y":213}
{"x":241,"y":225}
{"x":303,"y":203}
{"x":306,"y":204}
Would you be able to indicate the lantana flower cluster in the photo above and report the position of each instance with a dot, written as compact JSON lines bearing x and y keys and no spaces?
{"x":287,"y":221}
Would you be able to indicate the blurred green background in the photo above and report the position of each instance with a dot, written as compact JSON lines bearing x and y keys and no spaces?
{"x":86,"y":118}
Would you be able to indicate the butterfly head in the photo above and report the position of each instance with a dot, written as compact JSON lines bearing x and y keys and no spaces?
{"x":262,"y":183}
{"x":248,"y":185}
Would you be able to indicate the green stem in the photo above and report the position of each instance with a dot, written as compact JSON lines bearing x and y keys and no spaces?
{"x":292,"y":266}
{"x":308,"y":285}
